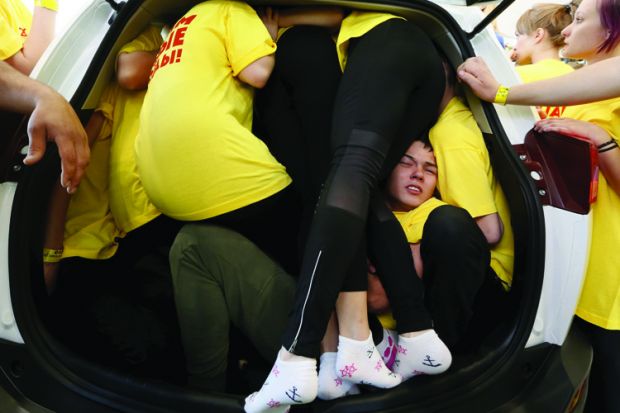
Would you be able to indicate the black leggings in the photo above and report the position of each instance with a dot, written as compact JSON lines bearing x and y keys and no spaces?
{"x":389,"y":95}
{"x":293,"y":112}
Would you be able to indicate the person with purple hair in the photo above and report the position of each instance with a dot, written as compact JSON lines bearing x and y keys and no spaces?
{"x":594,"y":35}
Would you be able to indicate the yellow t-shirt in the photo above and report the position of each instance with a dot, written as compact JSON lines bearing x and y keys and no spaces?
{"x":600,"y":298}
{"x":90,"y":230}
{"x":545,"y":69}
{"x":15,"y":21}
{"x":466,"y":179}
{"x":413,"y":221}
{"x":196,"y":154}
{"x":111,"y":201}
{"x":357,"y":24}
{"x":129,"y":204}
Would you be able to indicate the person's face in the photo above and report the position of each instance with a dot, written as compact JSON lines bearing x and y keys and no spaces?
{"x":522,"y":52}
{"x":585,"y":34}
{"x":414,"y":179}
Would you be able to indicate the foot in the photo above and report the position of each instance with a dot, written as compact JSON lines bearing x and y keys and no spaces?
{"x":387,"y":347}
{"x":423,"y":354}
{"x":359,"y":362}
{"x":331,"y":385}
{"x":290,"y":382}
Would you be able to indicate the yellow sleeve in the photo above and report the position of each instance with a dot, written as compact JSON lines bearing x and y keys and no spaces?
{"x":10,"y":41}
{"x":147,"y":41}
{"x":247,"y":38}
{"x":464,"y":170}
{"x":106,"y":108}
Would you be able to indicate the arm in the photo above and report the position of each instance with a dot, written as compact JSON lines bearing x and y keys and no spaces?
{"x":57,"y":212}
{"x":257,"y":73}
{"x":598,"y":81}
{"x":330,"y":17}
{"x":133,"y":69}
{"x":492,"y":227}
{"x":41,"y":35}
{"x":609,"y":161}
{"x":52,"y":118}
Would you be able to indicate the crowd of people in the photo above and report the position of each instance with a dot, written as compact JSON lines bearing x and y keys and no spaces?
{"x":285,"y":179}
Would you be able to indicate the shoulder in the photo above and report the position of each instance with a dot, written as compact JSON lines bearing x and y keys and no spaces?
{"x":456,"y":126}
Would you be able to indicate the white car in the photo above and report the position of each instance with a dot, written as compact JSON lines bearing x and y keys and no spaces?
{"x":533,"y":363}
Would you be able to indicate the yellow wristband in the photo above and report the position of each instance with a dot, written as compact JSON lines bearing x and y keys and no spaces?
{"x":50,"y":255}
{"x":48,"y":4}
{"x":502,"y":95}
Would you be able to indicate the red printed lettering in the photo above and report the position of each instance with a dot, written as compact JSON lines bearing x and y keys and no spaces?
{"x":164,"y":61}
{"x":555,"y":113}
{"x":178,"y":59}
{"x":184,"y":21}
{"x":179,"y":36}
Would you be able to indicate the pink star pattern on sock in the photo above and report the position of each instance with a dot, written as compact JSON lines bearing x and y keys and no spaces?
{"x":402,"y":350}
{"x":272,"y":403}
{"x":338,"y":381}
{"x":378,"y":366}
{"x":348,"y":370}
{"x":275,"y":370}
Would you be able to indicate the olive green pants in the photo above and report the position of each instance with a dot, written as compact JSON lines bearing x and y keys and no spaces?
{"x":220,"y":278}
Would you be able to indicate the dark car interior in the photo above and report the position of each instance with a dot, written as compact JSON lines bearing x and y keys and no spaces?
{"x":153,"y":379}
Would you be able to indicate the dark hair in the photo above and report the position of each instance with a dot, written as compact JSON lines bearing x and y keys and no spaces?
{"x":552,"y":18}
{"x":610,"y":20}
{"x":426,"y":141}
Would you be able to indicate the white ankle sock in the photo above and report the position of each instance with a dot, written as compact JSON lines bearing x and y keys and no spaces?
{"x":387,"y":347}
{"x":423,"y":354}
{"x":331,"y":385}
{"x":359,"y":362}
{"x":289,"y":383}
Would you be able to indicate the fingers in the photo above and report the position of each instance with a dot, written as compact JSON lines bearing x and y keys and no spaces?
{"x":68,"y":163}
{"x":36,"y":144}
{"x":468,"y":78}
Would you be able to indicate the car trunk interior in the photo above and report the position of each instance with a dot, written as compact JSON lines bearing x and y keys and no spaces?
{"x":150,"y":386}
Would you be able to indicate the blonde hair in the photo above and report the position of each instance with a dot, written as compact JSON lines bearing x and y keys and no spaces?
{"x":552,"y":18}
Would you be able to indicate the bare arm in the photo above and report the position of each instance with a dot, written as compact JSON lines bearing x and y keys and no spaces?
{"x":257,"y":73}
{"x":492,"y":227}
{"x":41,"y":35}
{"x":609,"y":161}
{"x":133,"y":69}
{"x":598,"y":81}
{"x":330,"y":17}
{"x":57,"y":212}
{"x":52,"y":118}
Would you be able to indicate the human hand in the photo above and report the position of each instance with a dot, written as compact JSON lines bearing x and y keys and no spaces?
{"x":269,"y":16}
{"x":476,"y":74}
{"x":377,"y":298}
{"x":573,"y":127}
{"x":53,"y":119}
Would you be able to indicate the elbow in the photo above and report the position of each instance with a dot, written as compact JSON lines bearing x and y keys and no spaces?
{"x":493,"y":236}
{"x":257,"y":74}
{"x":131,"y":80}
{"x":259,"y":80}
{"x":492,"y":228}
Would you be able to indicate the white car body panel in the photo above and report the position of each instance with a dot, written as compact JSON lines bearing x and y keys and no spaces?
{"x":8,"y":326}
